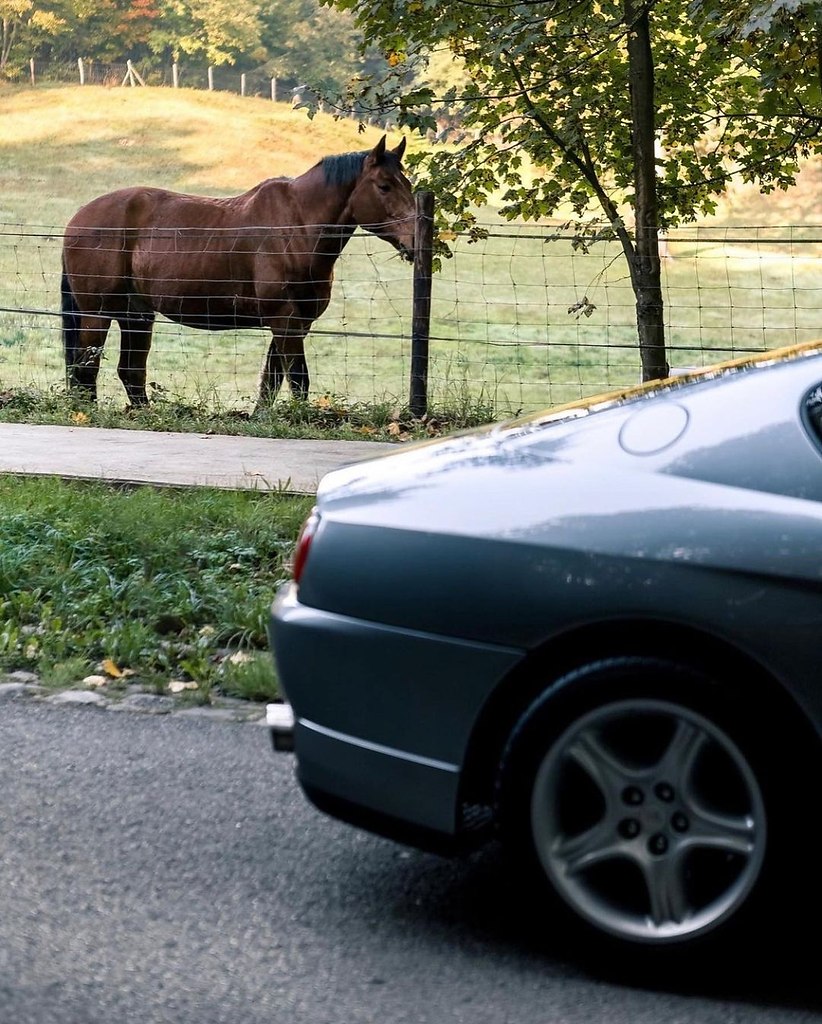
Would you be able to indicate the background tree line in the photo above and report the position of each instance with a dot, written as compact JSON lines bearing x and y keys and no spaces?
{"x":298,"y":40}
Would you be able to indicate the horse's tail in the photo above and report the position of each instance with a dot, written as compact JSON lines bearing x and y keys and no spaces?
{"x":70,"y":312}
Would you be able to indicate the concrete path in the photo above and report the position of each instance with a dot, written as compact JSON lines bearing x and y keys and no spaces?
{"x":143,"y":456}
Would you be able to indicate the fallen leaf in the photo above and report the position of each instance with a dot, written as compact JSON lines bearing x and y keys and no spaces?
{"x":178,"y":685}
{"x":111,"y":669}
{"x":79,"y":418}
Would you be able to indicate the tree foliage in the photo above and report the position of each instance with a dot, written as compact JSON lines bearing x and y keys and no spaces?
{"x":212,"y":30}
{"x":296,"y":39}
{"x":546,"y":104}
{"x":559,"y":95}
{"x":781,"y":39}
{"x":317,"y":45}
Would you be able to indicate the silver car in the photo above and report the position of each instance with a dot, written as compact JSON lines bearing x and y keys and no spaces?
{"x":592,"y":634}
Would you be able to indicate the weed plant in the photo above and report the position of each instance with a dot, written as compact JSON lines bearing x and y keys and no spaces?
{"x":145,"y":584}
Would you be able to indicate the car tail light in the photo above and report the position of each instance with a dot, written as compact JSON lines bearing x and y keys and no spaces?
{"x":303,"y":546}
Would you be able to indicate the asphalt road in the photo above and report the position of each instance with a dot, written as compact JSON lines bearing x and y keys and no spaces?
{"x":165,"y":869}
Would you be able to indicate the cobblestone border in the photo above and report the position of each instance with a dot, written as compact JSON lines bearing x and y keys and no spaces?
{"x":22,"y":685}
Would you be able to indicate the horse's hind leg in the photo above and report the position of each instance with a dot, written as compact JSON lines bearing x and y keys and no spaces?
{"x":83,"y":354}
{"x":135,"y":344}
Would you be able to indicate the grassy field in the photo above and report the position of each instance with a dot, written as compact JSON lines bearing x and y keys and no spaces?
{"x":503,"y":338}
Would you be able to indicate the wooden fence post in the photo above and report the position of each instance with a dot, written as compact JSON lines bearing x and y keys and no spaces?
{"x":31,"y":69}
{"x":273,"y":89}
{"x":175,"y":79}
{"x":242,"y":84}
{"x":210,"y":78}
{"x":421,"y":319}
{"x":132,"y":75}
{"x":81,"y":70}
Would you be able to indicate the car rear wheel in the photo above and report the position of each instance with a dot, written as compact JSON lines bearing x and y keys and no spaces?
{"x":637,"y":794}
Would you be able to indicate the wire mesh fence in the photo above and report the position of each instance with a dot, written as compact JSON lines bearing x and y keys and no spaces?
{"x":537,"y":321}
{"x":358,"y":349}
{"x":520,"y":320}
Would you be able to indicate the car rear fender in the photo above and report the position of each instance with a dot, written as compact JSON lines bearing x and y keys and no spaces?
{"x":543,"y":668}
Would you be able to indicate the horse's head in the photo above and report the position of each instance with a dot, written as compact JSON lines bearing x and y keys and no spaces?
{"x":382,"y":201}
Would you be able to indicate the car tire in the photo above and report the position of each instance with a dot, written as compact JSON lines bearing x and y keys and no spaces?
{"x":648,"y":809}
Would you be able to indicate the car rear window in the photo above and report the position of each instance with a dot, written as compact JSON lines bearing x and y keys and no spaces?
{"x":813,"y":412}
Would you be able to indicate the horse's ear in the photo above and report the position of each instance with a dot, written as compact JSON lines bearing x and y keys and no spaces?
{"x":378,"y":152}
{"x":398,"y":152}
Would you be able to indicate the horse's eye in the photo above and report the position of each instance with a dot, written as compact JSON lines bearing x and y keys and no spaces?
{"x":384,"y":188}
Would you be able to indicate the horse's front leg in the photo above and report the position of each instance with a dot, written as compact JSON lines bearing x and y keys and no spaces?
{"x":297,"y":372}
{"x":135,"y":344}
{"x":84,"y":343}
{"x":272,"y":376}
{"x":285,"y":358}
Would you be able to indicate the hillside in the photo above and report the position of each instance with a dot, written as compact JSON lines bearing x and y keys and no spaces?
{"x":61,"y":146}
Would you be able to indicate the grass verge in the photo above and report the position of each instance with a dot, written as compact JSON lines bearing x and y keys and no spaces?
{"x":155,"y":586}
{"x":328,"y":416}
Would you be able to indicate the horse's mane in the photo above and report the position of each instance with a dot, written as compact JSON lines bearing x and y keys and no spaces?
{"x":340,"y":170}
{"x":347,"y":167}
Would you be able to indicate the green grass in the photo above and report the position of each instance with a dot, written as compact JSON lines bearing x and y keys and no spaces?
{"x":162,"y":584}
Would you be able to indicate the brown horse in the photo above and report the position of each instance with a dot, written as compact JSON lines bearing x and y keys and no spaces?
{"x":262,"y":259}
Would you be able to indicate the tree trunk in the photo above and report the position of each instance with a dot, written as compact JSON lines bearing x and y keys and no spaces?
{"x":646,"y":266}
{"x":9,"y":31}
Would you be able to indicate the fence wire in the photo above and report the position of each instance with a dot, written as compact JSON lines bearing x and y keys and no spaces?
{"x":520,"y":320}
